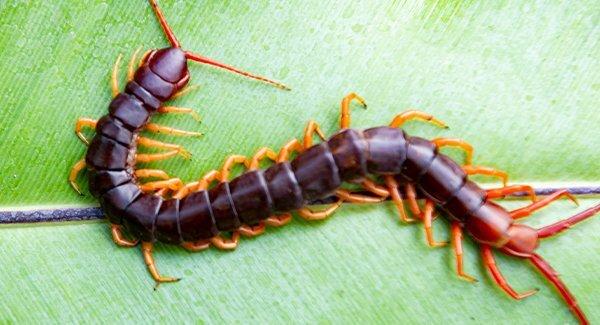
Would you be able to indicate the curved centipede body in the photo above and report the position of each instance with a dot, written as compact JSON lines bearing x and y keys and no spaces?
{"x":195,"y":215}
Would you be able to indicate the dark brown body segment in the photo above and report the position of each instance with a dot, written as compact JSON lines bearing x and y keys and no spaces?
{"x":285,"y":191}
{"x":103,"y":180}
{"x":116,"y":200}
{"x":316,"y":172}
{"x":140,"y":216}
{"x":129,"y":110}
{"x":115,"y":130}
{"x":419,"y":156}
{"x":251,"y":197}
{"x":196,"y":219}
{"x":167,"y":222}
{"x":442,"y":179}
{"x":105,"y":153}
{"x":349,"y":150}
{"x":386,"y":150}
{"x":226,"y":218}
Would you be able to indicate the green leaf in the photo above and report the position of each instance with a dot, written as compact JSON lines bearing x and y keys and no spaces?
{"x":518,"y":80}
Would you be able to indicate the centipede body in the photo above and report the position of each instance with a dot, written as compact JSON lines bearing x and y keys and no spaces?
{"x":318,"y":171}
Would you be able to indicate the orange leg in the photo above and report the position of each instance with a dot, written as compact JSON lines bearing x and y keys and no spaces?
{"x":179,"y":110}
{"x":114,"y":77}
{"x":131,"y":65}
{"x":252,"y":231}
{"x":480,"y":170}
{"x":525,"y":211}
{"x":372,"y":187}
{"x":288,"y":149}
{"x":149,"y":157}
{"x":447,"y":142}
{"x":149,"y":143}
{"x":403,"y":117}
{"x":411,"y":196}
{"x":157,"y":173}
{"x":262,"y":153}
{"x":504,"y":191}
{"x":392,"y":186}
{"x":78,"y":167}
{"x":278,"y":220}
{"x":308,"y":214}
{"x":427,"y":221}
{"x":119,"y":238}
{"x":196,"y":246}
{"x":226,"y":244}
{"x":458,"y":252}
{"x":149,"y":259}
{"x":348,"y":196}
{"x":229,"y":163}
{"x":155,"y":128}
{"x":345,"y":109}
{"x":311,"y":128}
{"x":490,"y":263}
{"x":185,"y":90}
{"x":173,"y":184}
{"x":81,"y":123}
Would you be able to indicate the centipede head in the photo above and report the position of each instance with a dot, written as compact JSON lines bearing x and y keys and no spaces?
{"x":170,"y":64}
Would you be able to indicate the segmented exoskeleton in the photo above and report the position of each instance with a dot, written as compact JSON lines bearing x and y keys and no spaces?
{"x":195,"y":215}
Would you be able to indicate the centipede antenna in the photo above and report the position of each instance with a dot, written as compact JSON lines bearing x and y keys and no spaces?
{"x":163,"y":23}
{"x":204,"y":60}
{"x":550,"y":274}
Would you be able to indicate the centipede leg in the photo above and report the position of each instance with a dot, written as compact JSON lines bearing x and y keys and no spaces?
{"x":179,"y":110}
{"x":149,"y":157}
{"x":131,"y":65}
{"x":481,"y":170}
{"x":348,"y":196}
{"x":458,"y":252}
{"x":404,"y":117}
{"x":252,"y":231}
{"x":507,"y":190}
{"x":411,"y":196}
{"x":150,"y":143}
{"x":196,"y":246}
{"x":229,"y":163}
{"x":80,"y":124}
{"x":173,"y":184}
{"x":77,"y":168}
{"x":490,"y":263}
{"x":392,"y":186}
{"x":525,"y":211}
{"x":345,"y":109}
{"x":448,"y":142}
{"x":114,"y":77}
{"x":185,"y":90}
{"x":565,"y":224}
{"x":147,"y":248}
{"x":278,"y":220}
{"x":155,"y":128}
{"x":372,"y":187}
{"x":309,"y":214}
{"x":226,"y":244}
{"x":261,"y":154}
{"x":551,"y":275}
{"x":427,"y":222}
{"x":156,"y":173}
{"x":119,"y":238}
{"x":311,"y":128}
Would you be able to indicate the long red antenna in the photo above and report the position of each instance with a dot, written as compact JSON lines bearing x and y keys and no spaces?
{"x":208,"y":61}
{"x":163,"y":23}
{"x":552,"y":276}
{"x":204,"y":60}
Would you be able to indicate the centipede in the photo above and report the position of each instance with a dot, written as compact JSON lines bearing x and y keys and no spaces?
{"x":217,"y":209}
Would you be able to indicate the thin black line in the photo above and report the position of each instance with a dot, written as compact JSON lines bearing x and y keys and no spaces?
{"x":95,"y":213}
